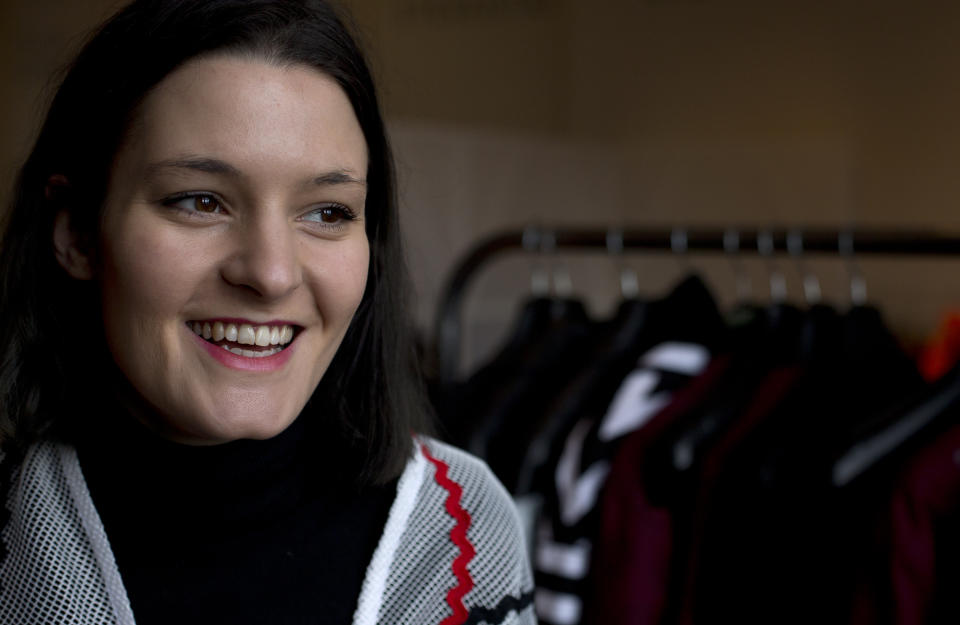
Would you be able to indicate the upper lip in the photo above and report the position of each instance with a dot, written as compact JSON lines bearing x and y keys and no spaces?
{"x":239,"y":321}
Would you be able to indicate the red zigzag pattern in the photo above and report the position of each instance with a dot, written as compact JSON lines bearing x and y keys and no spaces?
{"x":459,"y":537}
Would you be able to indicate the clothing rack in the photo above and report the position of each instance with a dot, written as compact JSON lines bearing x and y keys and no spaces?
{"x":765,"y":242}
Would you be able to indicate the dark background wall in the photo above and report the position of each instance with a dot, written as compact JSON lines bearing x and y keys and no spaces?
{"x":632,"y":112}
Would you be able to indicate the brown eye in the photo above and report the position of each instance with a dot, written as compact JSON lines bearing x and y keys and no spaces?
{"x":330,"y":215}
{"x":205,"y":203}
{"x":335,"y":215}
{"x":195,"y":203}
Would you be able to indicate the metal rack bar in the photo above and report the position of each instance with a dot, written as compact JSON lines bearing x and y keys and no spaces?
{"x":695,"y":240}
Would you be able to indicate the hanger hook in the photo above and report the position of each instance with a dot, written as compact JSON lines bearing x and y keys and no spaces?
{"x":531,"y":238}
{"x":811,"y":284}
{"x":858,"y":285}
{"x":778,"y":284}
{"x":679,"y":245}
{"x":679,"y":241}
{"x":533,"y":243}
{"x":559,"y":276}
{"x":629,"y":282}
{"x":731,"y":247}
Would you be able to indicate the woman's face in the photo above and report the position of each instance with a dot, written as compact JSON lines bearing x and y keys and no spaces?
{"x":235,"y":209}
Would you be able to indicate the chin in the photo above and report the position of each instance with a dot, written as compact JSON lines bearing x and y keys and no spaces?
{"x":219,"y":429}
{"x":236,"y":415}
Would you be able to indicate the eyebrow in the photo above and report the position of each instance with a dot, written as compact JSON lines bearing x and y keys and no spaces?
{"x":217,"y":166}
{"x":196,"y":163}
{"x":337,"y":177}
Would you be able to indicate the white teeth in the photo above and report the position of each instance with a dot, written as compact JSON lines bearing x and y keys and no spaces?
{"x":249,"y":353}
{"x":246,"y":335}
{"x":263,"y":336}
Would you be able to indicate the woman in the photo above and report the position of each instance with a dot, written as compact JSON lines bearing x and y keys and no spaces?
{"x":207,"y":393}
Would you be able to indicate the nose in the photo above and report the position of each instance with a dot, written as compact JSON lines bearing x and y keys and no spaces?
{"x":265,"y":259}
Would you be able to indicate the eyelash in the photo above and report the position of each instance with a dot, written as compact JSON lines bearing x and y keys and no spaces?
{"x":174,"y":199}
{"x":344,"y":213}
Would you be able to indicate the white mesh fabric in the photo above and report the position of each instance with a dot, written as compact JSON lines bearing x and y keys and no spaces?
{"x":52,"y":571}
{"x":422,"y":574}
{"x":498,"y":570}
{"x":422,"y":565}
{"x":59,"y":568}
{"x":375,"y":580}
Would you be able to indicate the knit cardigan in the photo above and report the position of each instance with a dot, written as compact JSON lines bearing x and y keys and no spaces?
{"x":451,"y":553}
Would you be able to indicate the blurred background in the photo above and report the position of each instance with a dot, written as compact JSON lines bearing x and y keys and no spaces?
{"x":507,"y":114}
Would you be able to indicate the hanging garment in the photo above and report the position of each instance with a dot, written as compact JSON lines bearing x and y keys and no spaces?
{"x":489,"y":413}
{"x":910,"y":453}
{"x":779,"y":543}
{"x":562,"y":551}
{"x":656,"y":349}
{"x":896,"y":433}
{"x":460,"y":405}
{"x":692,"y":516}
{"x":638,"y":559}
{"x":510,"y":419}
{"x":925,"y":544}
{"x":633,"y":548}
{"x":763,"y":342}
{"x":687,"y":315}
{"x":942,"y":351}
{"x":618,"y":344}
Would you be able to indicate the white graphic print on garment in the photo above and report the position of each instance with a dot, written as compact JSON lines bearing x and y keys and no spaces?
{"x":562,"y":562}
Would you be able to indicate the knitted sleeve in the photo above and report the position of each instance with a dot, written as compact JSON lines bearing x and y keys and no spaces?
{"x":459,"y":556}
{"x":452,"y":552}
{"x":57,"y":565}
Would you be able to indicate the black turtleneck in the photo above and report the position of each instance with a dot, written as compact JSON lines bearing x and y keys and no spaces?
{"x":246,"y":532}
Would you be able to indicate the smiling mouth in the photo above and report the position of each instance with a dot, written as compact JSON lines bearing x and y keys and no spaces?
{"x":244,"y":339}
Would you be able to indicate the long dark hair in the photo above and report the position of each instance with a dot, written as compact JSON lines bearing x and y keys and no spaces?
{"x":372,"y":382}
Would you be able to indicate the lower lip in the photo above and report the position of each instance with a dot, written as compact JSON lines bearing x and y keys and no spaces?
{"x":245,"y":363}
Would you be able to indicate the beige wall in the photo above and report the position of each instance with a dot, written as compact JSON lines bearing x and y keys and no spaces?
{"x":630,"y":112}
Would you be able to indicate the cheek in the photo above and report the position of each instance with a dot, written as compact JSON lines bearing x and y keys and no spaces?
{"x":145,"y":273}
{"x":338,"y":280}
{"x":359,"y":275}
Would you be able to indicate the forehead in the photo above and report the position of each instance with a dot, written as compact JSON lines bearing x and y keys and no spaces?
{"x":252,"y":113}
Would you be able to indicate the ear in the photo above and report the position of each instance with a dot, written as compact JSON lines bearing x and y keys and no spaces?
{"x":68,"y":244}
